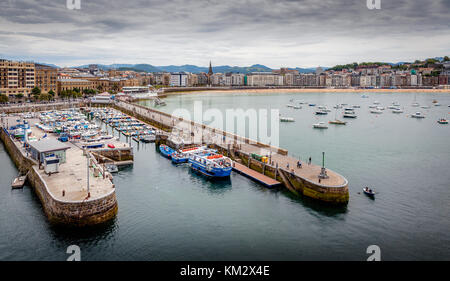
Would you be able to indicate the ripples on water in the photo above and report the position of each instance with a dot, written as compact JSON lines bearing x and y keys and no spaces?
{"x":167,"y":212}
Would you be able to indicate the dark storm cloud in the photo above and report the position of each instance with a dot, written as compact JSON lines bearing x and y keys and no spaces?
{"x":232,"y":31}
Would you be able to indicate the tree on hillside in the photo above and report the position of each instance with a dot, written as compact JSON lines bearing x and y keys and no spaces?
{"x":446,"y":58}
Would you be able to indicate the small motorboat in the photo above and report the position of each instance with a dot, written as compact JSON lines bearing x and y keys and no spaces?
{"x":369,"y":192}
{"x":417,"y":115}
{"x":415,"y":104}
{"x":337,"y":122}
{"x":297,"y":107}
{"x":287,"y":119}
{"x":442,"y":121}
{"x":397,"y":110}
{"x":320,"y":125}
{"x":321,"y":112}
{"x":111,"y":145}
{"x":376,"y":111}
{"x":166,"y":151}
{"x":425,"y":106}
{"x":349,"y":115}
{"x":112,"y":168}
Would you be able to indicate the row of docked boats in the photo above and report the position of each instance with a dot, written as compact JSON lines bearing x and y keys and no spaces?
{"x":124,"y":124}
{"x":200,"y":159}
{"x":73,"y":125}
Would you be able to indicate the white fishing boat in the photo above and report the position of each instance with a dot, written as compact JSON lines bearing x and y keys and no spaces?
{"x":380,"y":108}
{"x":415,"y":104}
{"x":397,"y":110}
{"x":376,"y":111}
{"x":287,"y":119}
{"x":320,"y":125}
{"x":297,"y":107}
{"x":437,"y":104}
{"x":425,"y":106}
{"x":417,"y":115}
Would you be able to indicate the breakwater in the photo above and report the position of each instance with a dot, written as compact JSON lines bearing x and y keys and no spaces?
{"x":98,"y":208}
{"x":304,"y":181}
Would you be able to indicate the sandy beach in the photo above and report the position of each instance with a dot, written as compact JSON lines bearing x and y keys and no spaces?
{"x":284,"y":90}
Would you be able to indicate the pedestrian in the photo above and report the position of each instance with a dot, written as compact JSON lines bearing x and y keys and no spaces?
{"x":287,"y":166}
{"x":319,"y":180}
{"x":309,"y":161}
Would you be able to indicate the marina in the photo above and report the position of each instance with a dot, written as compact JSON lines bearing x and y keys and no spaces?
{"x":142,"y":190}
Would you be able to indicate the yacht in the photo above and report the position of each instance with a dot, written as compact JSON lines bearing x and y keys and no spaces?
{"x":417,"y":115}
{"x":320,"y":125}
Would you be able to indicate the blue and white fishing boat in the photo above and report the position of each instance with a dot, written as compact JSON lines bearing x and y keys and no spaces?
{"x":166,"y":151}
{"x":182,"y":156}
{"x":211,"y":164}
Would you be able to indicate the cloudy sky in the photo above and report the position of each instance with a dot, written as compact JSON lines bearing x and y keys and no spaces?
{"x":293,"y":33}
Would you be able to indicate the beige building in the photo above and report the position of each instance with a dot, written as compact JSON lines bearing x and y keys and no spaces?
{"x":71,"y":84}
{"x":16,"y":77}
{"x":46,"y":78}
{"x":261,"y":79}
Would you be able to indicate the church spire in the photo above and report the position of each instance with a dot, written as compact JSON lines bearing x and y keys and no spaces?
{"x":210,"y":72}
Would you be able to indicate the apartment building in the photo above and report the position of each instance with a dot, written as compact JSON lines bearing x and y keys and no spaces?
{"x":261,"y":79}
{"x":16,"y":78}
{"x":178,"y":79}
{"x":46,"y":78}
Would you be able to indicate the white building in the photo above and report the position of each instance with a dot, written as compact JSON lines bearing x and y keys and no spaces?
{"x":178,"y":79}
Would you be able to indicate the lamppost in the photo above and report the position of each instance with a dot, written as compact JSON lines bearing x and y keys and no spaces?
{"x":87,"y":157}
{"x":323,"y":171}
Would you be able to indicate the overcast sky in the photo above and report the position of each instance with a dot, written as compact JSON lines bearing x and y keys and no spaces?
{"x":292,"y":33}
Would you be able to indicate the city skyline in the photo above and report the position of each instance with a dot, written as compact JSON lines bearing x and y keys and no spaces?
{"x":273,"y":33}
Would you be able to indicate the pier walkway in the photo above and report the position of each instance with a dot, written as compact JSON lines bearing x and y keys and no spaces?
{"x":192,"y":132}
{"x":263,"y":179}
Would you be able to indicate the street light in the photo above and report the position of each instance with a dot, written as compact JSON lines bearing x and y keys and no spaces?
{"x":323,"y":171}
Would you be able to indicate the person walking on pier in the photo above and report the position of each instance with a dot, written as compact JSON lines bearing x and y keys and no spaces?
{"x":309,"y":161}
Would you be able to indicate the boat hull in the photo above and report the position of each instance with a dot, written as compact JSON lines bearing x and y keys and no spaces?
{"x":211,"y":173}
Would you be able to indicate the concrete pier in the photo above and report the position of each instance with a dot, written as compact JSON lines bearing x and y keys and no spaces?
{"x":304,"y":180}
{"x":64,"y":195}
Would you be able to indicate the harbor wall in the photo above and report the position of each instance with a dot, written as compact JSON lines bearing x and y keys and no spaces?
{"x":151,"y":116}
{"x":73,"y":213}
{"x":292,"y":182}
{"x":32,"y":107}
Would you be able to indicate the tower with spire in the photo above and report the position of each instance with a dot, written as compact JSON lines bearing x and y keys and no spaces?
{"x":210,"y":73}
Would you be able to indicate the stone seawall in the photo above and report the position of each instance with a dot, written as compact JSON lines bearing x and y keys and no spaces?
{"x":296,"y":184}
{"x":73,"y":213}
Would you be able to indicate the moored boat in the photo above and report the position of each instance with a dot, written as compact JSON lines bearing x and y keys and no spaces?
{"x":166,"y":151}
{"x":320,"y":125}
{"x":442,"y":121}
{"x":211,"y":164}
{"x":418,"y":115}
{"x":337,"y":122}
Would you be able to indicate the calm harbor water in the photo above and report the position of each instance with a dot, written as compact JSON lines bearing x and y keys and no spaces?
{"x":168,"y":213}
